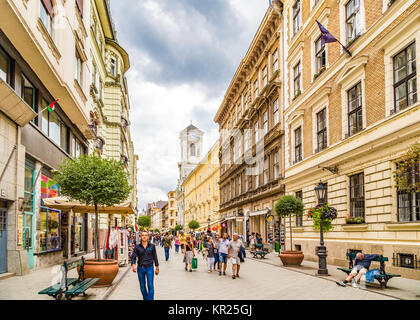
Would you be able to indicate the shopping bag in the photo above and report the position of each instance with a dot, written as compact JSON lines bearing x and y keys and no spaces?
{"x":370,"y":275}
{"x":194,"y":263}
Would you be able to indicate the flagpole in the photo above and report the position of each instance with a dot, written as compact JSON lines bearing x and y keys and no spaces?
{"x":345,"y":48}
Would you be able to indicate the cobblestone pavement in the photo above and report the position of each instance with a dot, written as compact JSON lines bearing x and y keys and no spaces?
{"x":258,"y":281}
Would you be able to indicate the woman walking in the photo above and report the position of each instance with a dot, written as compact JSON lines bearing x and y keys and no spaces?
{"x":210,"y":247}
{"x":176,"y":244}
{"x":216,"y":252}
{"x":188,"y":253}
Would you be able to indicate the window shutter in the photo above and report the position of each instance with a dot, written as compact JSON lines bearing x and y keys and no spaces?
{"x":48,"y":5}
{"x":80,"y":6}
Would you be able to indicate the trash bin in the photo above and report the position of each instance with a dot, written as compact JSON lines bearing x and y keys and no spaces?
{"x":277,"y":246}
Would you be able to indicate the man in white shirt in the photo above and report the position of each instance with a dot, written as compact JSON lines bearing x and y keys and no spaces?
{"x":233,"y":254}
{"x":223,"y":251}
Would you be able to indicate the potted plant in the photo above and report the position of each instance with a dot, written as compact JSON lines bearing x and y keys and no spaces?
{"x":354,"y":220}
{"x":288,"y":206}
{"x":297,"y":94}
{"x":193,"y":224}
{"x":92,"y":180}
{"x":316,"y":213}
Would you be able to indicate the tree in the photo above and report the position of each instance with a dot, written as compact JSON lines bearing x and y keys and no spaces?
{"x":144,"y":222}
{"x":288,"y":206}
{"x":178,"y":227}
{"x":156,"y":230}
{"x":92,"y":180}
{"x":193,"y":224}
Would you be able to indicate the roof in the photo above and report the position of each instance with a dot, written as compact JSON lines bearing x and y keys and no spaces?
{"x":160,"y":204}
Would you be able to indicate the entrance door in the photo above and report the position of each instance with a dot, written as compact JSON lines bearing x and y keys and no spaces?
{"x":3,"y":240}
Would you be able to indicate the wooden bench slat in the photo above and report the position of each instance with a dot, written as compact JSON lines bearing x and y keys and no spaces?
{"x":81,"y":287}
{"x":56,"y":287}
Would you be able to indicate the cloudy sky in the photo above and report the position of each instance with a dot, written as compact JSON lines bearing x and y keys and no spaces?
{"x":183,"y":55}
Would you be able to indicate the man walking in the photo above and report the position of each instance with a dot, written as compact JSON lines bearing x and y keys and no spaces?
{"x":145,"y":254}
{"x":233,"y":254}
{"x":167,"y":244}
{"x":223,"y":252}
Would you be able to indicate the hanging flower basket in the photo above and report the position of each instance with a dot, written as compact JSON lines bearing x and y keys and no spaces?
{"x":329,"y":215}
{"x":404,"y":174}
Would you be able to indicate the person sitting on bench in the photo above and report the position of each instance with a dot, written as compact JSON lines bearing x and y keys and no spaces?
{"x":361,"y":266}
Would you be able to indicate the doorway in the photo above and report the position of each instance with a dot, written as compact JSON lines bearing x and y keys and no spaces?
{"x":3,"y":240}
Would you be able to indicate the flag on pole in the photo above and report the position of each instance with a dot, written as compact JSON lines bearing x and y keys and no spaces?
{"x":51,"y":107}
{"x":327,"y":37}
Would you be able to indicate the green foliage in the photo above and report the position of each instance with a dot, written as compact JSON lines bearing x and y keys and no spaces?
{"x":144,"y":221}
{"x":354,"y":220}
{"x":179,"y":227}
{"x":403,"y":174}
{"x":329,"y":214}
{"x":93,"y":180}
{"x":193,"y":224}
{"x":289,"y":205}
{"x":156,"y":230}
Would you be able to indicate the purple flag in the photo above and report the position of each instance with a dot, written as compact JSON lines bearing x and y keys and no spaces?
{"x":326,"y":37}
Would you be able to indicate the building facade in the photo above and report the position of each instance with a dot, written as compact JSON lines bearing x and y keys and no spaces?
{"x":172,"y":210}
{"x":44,"y":47}
{"x":108,"y":63}
{"x":349,"y":118}
{"x":202,"y":192}
{"x":251,"y":130}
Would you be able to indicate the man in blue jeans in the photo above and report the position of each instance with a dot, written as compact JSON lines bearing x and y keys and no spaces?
{"x":167,"y":245}
{"x":145,"y":254}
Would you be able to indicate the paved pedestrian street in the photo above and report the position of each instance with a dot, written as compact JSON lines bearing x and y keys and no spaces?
{"x":258,"y":281}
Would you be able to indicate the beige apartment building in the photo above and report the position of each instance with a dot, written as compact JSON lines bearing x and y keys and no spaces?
{"x":111,"y":106}
{"x":348,"y":121}
{"x":172,"y":210}
{"x":202,"y":192}
{"x":251,"y":130}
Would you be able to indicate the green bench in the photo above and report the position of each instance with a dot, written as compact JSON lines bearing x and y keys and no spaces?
{"x":62,"y":288}
{"x":383,"y":278}
{"x":259,"y":251}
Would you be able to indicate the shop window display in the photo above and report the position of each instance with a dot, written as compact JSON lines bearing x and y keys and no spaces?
{"x":49,"y":229}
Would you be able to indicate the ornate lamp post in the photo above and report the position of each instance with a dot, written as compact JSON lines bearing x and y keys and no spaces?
{"x":208,"y":222}
{"x":321,"y":194}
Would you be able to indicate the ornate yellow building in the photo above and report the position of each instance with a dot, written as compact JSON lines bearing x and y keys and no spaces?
{"x":202,"y":192}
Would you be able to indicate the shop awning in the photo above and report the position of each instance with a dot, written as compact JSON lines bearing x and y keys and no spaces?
{"x":63,"y":203}
{"x":230,"y":218}
{"x":260,"y":212}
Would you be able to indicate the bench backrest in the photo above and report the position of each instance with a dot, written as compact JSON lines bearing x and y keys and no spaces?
{"x":71,"y":265}
{"x":74,"y":264}
{"x":352,"y":256}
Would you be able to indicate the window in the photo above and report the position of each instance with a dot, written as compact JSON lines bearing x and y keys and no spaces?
{"x":353,"y":23}
{"x":296,"y":17}
{"x":256,"y":132}
{"x":355,"y":118}
{"x":54,"y":127}
{"x":28,"y":94}
{"x":46,"y":14}
{"x":299,"y":218}
{"x":192,"y":149}
{"x":100,"y":89}
{"x":76,"y":147}
{"x":409,"y":202}
{"x":94,"y":75}
{"x":246,"y":101}
{"x":321,"y":121}
{"x":275,"y":60}
{"x":296,"y":79}
{"x":256,"y":89}
{"x":320,"y":56}
{"x":265,"y":171}
{"x":265,"y":122}
{"x":247,"y":141}
{"x":257,"y":176}
{"x":276,"y":112}
{"x":49,"y":234}
{"x":78,"y":68}
{"x":29,"y":182}
{"x":298,"y":144}
{"x":276,"y":165}
{"x":357,"y":196}
{"x":113,"y":67}
{"x":405,"y":80}
{"x":264,"y":72}
{"x":5,"y":64}
{"x":239,"y":185}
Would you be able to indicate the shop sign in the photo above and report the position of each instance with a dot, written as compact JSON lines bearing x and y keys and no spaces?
{"x":269,"y":218}
{"x":20,"y":231}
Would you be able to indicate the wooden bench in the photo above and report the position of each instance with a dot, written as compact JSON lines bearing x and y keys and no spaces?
{"x":383,"y":278}
{"x":80,"y":284}
{"x":259,"y":251}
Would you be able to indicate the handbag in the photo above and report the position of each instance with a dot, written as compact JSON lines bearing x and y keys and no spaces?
{"x":194,"y":263}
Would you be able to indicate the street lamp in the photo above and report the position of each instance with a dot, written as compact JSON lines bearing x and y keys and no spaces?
{"x":321,"y":194}
{"x":208,"y":221}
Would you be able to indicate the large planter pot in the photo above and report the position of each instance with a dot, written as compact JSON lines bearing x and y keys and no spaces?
{"x":106,"y":270}
{"x":291,"y":258}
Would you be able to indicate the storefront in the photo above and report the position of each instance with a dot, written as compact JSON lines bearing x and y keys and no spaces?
{"x":79,"y":234}
{"x":258,"y":223}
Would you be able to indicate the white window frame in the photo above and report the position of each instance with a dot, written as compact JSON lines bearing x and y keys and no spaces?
{"x":264,"y":76}
{"x":256,"y":88}
{"x":299,"y":21}
{"x":78,"y":67}
{"x":297,"y":56}
{"x":265,"y":122}
{"x":324,"y":103}
{"x":276,"y":119}
{"x":43,"y":14}
{"x":343,"y":26}
{"x":410,"y":34}
{"x":275,"y":62}
{"x":293,"y":127}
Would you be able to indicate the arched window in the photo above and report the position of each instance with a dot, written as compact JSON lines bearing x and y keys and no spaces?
{"x":192,"y":149}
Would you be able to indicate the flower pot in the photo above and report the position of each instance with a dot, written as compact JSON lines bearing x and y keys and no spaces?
{"x":291,"y":258}
{"x":106,"y":270}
